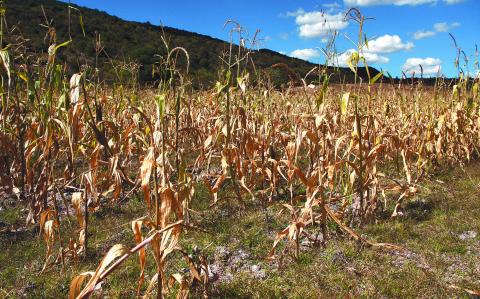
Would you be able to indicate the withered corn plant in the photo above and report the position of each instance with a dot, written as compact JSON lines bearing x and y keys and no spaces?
{"x":163,"y":177}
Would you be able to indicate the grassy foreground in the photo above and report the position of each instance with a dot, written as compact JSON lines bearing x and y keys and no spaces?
{"x":439,"y":229}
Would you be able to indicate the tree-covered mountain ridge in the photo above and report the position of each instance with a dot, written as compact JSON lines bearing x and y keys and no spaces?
{"x":141,"y":43}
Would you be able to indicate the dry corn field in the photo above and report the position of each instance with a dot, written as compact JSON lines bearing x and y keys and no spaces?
{"x":324,"y":162}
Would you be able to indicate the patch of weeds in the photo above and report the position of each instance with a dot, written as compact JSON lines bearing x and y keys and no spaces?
{"x":12,"y":216}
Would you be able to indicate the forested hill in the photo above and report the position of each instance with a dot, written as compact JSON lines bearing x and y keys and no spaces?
{"x":139,"y":42}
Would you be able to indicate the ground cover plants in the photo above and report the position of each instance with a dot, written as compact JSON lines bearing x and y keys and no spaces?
{"x":295,"y":168}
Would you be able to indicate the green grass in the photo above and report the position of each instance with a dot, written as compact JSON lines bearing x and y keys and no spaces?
{"x":429,"y":229}
{"x":22,"y":256}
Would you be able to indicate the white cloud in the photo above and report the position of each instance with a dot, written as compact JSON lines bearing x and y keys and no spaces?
{"x":387,"y":44}
{"x":375,"y":58}
{"x":318,"y":24}
{"x":438,"y":27}
{"x":420,"y":34}
{"x":305,"y":54}
{"x":444,"y":26}
{"x":431,"y":66}
{"x":376,"y":47}
{"x":441,"y":27}
{"x":371,"y":58}
{"x":395,"y":2}
{"x":342,"y":59}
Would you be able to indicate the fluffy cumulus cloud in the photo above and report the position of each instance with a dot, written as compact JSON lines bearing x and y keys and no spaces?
{"x":317,"y":23}
{"x":431,"y":66}
{"x":395,"y":2}
{"x":387,"y":44}
{"x":371,"y":58}
{"x":375,"y":58}
{"x":305,"y":54}
{"x":374,"y":54}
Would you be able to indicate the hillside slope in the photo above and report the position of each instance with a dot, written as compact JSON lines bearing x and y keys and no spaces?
{"x":133,"y":41}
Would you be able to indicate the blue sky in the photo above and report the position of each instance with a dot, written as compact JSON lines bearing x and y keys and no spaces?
{"x":402,"y":35}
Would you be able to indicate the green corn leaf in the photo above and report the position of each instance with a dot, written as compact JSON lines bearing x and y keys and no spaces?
{"x":23,"y":76}
{"x":62,"y":101}
{"x":455,"y":90}
{"x":81,"y":24}
{"x":323,"y":91}
{"x":62,"y":45}
{"x":52,"y":50}
{"x":160,"y":99}
{"x":221,"y":88}
{"x":352,"y":61}
{"x":377,"y":76}
{"x":326,"y":81}
{"x":344,"y":103}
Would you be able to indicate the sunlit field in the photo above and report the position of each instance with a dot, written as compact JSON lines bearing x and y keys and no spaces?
{"x":243,"y":188}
